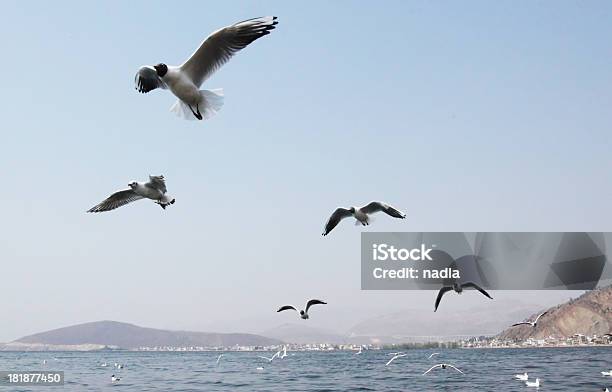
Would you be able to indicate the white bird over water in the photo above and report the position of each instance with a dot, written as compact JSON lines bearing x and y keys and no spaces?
{"x":532,"y":323}
{"x":522,"y":377}
{"x":442,"y":366}
{"x":361,"y":215}
{"x":219,"y":358}
{"x":432,"y":354}
{"x":303,"y":313}
{"x":115,"y":379}
{"x":536,"y":383}
{"x":271,"y":358}
{"x":284,"y":353}
{"x":184,"y":81}
{"x":607,"y":373}
{"x":155,"y":190}
{"x":395,"y":356}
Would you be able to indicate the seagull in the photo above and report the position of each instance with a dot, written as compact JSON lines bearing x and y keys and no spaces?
{"x":361,"y":214}
{"x":442,"y":366}
{"x":533,"y":384}
{"x":532,"y":323}
{"x":522,"y":377}
{"x":115,"y":379}
{"x":605,"y":389}
{"x":284,"y":354}
{"x":219,"y":358}
{"x":303,"y":313}
{"x":607,"y":373}
{"x":396,"y":356}
{"x":104,"y":364}
{"x":459,"y":289}
{"x":360,"y":350}
{"x":270,"y":359}
{"x":155,"y":190}
{"x":185,"y":80}
{"x":433,"y":355}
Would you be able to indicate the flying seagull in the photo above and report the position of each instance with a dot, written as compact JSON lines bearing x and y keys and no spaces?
{"x":522,"y":377}
{"x":155,"y":190}
{"x":459,"y":289}
{"x":271,"y":358}
{"x":184,"y":81}
{"x":303,"y":313}
{"x":442,"y":366}
{"x":536,"y":383}
{"x":115,"y":379}
{"x":432,"y":354}
{"x":395,"y":356}
{"x":532,"y":323}
{"x":219,"y":358}
{"x":284,"y":353}
{"x":607,"y":373}
{"x":361,"y":214}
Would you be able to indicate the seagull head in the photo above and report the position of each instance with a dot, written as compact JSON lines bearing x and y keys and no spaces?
{"x":352,"y":210}
{"x":301,"y":312}
{"x":161,"y":69}
{"x":131,"y":185}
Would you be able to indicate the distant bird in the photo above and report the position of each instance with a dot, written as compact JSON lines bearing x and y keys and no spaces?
{"x":458,"y":289}
{"x":260,"y":368}
{"x":284,"y":353}
{"x":536,"y":383}
{"x":522,"y":377}
{"x":362,"y":215}
{"x":115,"y":379}
{"x":185,"y":80}
{"x":219,"y":358}
{"x":44,"y":362}
{"x":607,"y":373}
{"x":532,"y":323}
{"x":271,"y":358}
{"x":119,"y":366}
{"x":360,"y":350}
{"x":432,"y":354}
{"x":104,"y":364}
{"x":155,"y":190}
{"x":395,"y":356}
{"x":442,"y":366}
{"x":303,"y":313}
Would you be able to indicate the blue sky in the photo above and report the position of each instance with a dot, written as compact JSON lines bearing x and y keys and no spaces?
{"x":469,"y":116}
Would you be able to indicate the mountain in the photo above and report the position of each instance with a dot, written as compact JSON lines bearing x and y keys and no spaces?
{"x":129,"y":336}
{"x":302,"y":334}
{"x":446,"y":324}
{"x":589,"y":314}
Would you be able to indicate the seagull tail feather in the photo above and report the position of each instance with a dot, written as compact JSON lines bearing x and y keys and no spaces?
{"x":211,"y":101}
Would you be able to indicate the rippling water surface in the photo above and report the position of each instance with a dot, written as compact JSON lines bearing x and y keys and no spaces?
{"x":560,"y":369}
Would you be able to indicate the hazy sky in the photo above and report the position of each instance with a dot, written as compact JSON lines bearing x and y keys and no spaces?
{"x":469,"y":116}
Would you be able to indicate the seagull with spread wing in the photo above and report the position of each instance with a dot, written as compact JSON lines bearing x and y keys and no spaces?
{"x":362,"y":215}
{"x":184,"y":81}
{"x":533,"y":323}
{"x":442,"y":366}
{"x":458,"y":289}
{"x":395,"y":356}
{"x":155,"y":190}
{"x":303,"y":313}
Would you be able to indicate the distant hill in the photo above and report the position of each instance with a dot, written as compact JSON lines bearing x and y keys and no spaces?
{"x":129,"y":336}
{"x":302,"y":334}
{"x":589,"y":314}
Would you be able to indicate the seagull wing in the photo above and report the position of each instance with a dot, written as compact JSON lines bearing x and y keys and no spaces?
{"x":116,"y":200}
{"x":157,"y":182}
{"x":335,"y":218}
{"x":221,"y":45}
{"x":286,"y":307}
{"x":146,"y":79}
{"x":432,"y":368}
{"x":474,"y":285}
{"x":454,"y":368}
{"x":541,"y":314}
{"x":440,"y":294}
{"x":394,"y":358}
{"x":314,"y":302}
{"x":521,"y":323}
{"x":377,"y":206}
